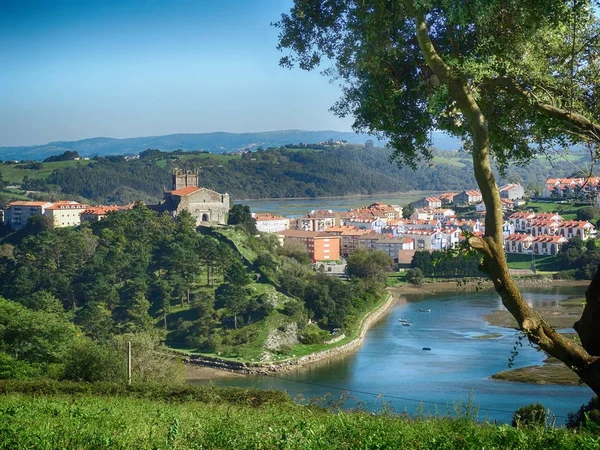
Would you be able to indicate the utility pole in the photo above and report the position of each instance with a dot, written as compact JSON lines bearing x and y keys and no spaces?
{"x":129,"y":363}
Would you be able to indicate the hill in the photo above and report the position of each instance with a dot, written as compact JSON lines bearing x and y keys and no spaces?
{"x":284,"y":172}
{"x":218,"y":142}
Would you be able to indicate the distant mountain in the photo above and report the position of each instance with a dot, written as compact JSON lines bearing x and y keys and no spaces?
{"x":218,"y":142}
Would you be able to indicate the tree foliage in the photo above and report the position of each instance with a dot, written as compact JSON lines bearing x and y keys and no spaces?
{"x":511,"y":78}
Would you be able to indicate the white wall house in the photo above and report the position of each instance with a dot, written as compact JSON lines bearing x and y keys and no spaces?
{"x":268,"y":223}
{"x":65,"y":214}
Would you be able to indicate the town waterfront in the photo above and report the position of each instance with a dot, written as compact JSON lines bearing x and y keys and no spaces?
{"x":295,"y":207}
{"x":392,"y":366}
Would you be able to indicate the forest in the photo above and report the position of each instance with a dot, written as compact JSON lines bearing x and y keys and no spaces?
{"x":285,"y":172}
{"x":71,"y":297}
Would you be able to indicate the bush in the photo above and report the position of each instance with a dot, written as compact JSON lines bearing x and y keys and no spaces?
{"x":587,"y":413}
{"x":565,"y":275}
{"x":529,"y":416}
{"x":90,"y":361}
{"x":415,"y":276}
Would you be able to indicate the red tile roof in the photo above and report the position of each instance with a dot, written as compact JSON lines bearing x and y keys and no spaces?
{"x":185,"y":191}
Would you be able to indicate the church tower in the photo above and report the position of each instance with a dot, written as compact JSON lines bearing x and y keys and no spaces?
{"x":183,"y":178}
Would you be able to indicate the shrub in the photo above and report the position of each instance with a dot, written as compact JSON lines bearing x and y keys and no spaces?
{"x":587,"y":413}
{"x":565,"y":274}
{"x":533,"y":415}
{"x":415,"y":276}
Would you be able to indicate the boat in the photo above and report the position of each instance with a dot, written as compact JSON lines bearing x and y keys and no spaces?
{"x":406,"y":324}
{"x":427,"y":348}
{"x":402,"y":320}
{"x":424,"y":310}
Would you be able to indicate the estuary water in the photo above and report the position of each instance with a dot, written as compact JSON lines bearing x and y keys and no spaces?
{"x":296,"y":207}
{"x":392,"y":367}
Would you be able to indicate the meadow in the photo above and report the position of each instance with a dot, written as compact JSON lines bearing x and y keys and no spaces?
{"x":119,"y":421}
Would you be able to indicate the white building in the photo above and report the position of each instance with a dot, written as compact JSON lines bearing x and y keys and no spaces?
{"x":268,"y":223}
{"x":65,"y":214}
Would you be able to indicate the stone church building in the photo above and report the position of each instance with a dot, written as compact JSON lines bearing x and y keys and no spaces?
{"x":208,"y":207}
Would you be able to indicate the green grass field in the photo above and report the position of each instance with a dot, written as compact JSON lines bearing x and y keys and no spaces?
{"x":542,"y":263}
{"x":14,"y":173}
{"x":93,"y":422}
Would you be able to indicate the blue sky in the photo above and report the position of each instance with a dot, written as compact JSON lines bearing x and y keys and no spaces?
{"x":86,"y":68}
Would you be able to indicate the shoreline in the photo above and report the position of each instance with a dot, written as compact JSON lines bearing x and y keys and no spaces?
{"x":206,"y":367}
{"x":217,"y":367}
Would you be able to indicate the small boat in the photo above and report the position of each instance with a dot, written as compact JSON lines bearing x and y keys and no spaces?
{"x":427,"y":348}
{"x":424,"y":310}
{"x":406,"y":324}
{"x":402,"y":320}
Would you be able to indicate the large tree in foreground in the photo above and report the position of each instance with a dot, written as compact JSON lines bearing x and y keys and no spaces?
{"x":512,"y":78}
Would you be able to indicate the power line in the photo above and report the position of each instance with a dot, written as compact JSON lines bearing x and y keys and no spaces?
{"x":395,"y":397}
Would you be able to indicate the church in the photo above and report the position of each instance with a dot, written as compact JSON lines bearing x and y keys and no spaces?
{"x":206,"y":206}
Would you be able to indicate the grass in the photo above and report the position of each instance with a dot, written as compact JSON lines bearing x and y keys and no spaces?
{"x":240,"y":240}
{"x":91,"y":422}
{"x":542,"y":263}
{"x":455,"y":162}
{"x":567,"y":211}
{"x":14,"y":173}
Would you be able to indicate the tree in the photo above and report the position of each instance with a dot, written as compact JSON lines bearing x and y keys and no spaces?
{"x":415,"y":276}
{"x":587,"y":213}
{"x":511,"y":78}
{"x":241,"y":215}
{"x":374,"y":265}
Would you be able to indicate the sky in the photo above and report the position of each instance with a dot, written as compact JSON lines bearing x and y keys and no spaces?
{"x":74,"y":69}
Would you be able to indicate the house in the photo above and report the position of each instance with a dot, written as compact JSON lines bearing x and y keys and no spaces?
{"x":390,"y":212}
{"x":576,"y":228}
{"x":17,"y":213}
{"x":318,"y":220}
{"x":96,"y":213}
{"x":512,"y":191}
{"x":269,"y":223}
{"x":65,"y":213}
{"x":526,"y":244}
{"x":319,"y":246}
{"x":367,"y":222}
{"x":428,"y":239}
{"x":428,"y":202}
{"x":392,"y":246}
{"x":205,"y":205}
{"x":520,"y":221}
{"x":421,"y":214}
{"x":468,"y":198}
{"x":443,"y":214}
{"x":447,"y":197}
{"x":569,"y":187}
{"x":507,"y":205}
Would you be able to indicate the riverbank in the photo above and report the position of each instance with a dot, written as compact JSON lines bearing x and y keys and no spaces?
{"x":205,"y":367}
{"x":560,"y":315}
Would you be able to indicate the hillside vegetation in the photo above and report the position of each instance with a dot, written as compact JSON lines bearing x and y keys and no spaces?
{"x":291,"y":171}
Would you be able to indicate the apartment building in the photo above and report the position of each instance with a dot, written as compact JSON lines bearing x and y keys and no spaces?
{"x":18,"y":213}
{"x":319,"y":246}
{"x":269,"y":223}
{"x":65,"y":213}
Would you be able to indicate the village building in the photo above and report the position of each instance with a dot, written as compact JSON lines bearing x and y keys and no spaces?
{"x":318,"y":220}
{"x":467,"y":198}
{"x":392,"y":246}
{"x":367,"y":222}
{"x":96,"y":213}
{"x":18,"y":213}
{"x":447,"y":197}
{"x":570,"y":187}
{"x":428,"y":202}
{"x":319,"y":246}
{"x":269,"y":223}
{"x":65,"y":213}
{"x":576,"y":228}
{"x":205,"y":205}
{"x":512,"y":191}
{"x":526,"y":244}
{"x":421,"y":214}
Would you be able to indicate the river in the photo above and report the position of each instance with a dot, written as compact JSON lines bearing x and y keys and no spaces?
{"x":295,"y":207}
{"x":391,"y":365}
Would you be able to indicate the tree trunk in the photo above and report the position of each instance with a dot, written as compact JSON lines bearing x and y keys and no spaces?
{"x":491,"y":245}
{"x":235,"y":321}
{"x":188,"y":295}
